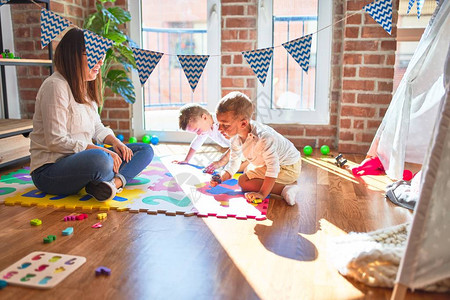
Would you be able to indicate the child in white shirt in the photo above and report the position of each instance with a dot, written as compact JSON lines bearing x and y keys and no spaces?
{"x":196,"y":119}
{"x":275,"y":163}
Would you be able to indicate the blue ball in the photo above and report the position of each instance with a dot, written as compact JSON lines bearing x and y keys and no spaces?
{"x":154,"y":140}
{"x":120,"y":137}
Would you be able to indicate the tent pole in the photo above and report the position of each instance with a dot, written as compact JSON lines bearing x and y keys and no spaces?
{"x":399,"y":292}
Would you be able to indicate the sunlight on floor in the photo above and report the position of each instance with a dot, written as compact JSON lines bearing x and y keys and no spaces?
{"x":375,"y":183}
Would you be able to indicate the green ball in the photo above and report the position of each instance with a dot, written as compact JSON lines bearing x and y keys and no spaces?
{"x":132,"y":140}
{"x":146,"y":139}
{"x":308,"y":150}
{"x":325,"y":149}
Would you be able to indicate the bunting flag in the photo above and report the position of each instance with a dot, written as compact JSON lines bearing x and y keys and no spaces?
{"x":419,"y":7}
{"x":51,"y":25}
{"x":193,"y":66}
{"x":410,"y":5}
{"x":3,"y":2}
{"x":300,"y":50}
{"x":96,"y":47}
{"x":146,"y":62}
{"x":381,"y":11}
{"x":259,"y":61}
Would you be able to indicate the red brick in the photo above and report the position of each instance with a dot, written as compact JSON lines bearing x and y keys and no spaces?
{"x":356,"y":5}
{"x":239,"y":71}
{"x":345,"y":123}
{"x":320,"y":131}
{"x":228,"y":46}
{"x":370,"y":72}
{"x":390,"y":60}
{"x":237,"y":59}
{"x":252,"y":10}
{"x":361,"y":45}
{"x":375,"y":98}
{"x":385,"y":86}
{"x":346,"y":136}
{"x":355,"y":19}
{"x":251,"y":82}
{"x":388,"y":45}
{"x":348,"y":97}
{"x":373,"y":124}
{"x":358,"y":85}
{"x":349,"y":72}
{"x":302,"y":142}
{"x":374,"y":32}
{"x":358,"y":124}
{"x":382,"y":112}
{"x":232,"y":10}
{"x":358,"y":111}
{"x":352,"y":59}
{"x":240,"y":22}
{"x":232,"y":82}
{"x":57,"y":7}
{"x":290,"y":130}
{"x":351,"y":32}
{"x":353,"y":148}
{"x":118,"y":114}
{"x":230,"y":34}
{"x":374,"y":59}
{"x":226,"y":59}
{"x":124,"y":125}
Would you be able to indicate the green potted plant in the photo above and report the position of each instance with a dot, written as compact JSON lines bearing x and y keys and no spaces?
{"x":106,"y":22}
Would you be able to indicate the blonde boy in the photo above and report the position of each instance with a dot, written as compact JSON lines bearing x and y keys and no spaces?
{"x":194,"y":118}
{"x":275,"y":163}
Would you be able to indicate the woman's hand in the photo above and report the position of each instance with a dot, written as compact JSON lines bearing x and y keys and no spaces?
{"x":116,"y":158}
{"x":124,"y":152}
{"x":212,"y":167}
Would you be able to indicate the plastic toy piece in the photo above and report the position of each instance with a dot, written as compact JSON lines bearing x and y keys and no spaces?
{"x":67,"y":231}
{"x":102,"y":216}
{"x":325,"y":149}
{"x":37,"y":257}
{"x":102,"y":271}
{"x":70,"y":218}
{"x":41,"y":268}
{"x":257,"y":201}
{"x":407,"y":175}
{"x":3,"y":284}
{"x":340,"y":160}
{"x":154,"y":140}
{"x":308,"y":150}
{"x":215,"y":180}
{"x":132,"y":140}
{"x":82,"y":217}
{"x":369,"y":166}
{"x":97,"y":225}
{"x":120,"y":137}
{"x":35,"y":222}
{"x":146,"y":139}
{"x":49,"y":239}
{"x":10,"y":274}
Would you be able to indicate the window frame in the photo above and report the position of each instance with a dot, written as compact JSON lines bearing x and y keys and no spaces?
{"x":320,"y":115}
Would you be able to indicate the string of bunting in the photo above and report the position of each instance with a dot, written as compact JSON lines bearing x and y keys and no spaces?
{"x":193,"y":65}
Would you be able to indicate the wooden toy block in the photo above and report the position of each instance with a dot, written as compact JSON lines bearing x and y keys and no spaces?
{"x":82,"y":216}
{"x":3,"y":284}
{"x":49,"y":239}
{"x":35,"y":222}
{"x":67,"y":231}
{"x":70,"y":218}
{"x":102,"y":271}
{"x":102,"y":216}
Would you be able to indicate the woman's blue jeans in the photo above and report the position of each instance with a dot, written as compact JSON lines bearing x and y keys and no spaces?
{"x":72,"y":173}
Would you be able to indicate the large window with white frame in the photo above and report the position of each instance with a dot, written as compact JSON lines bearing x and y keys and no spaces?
{"x":173,"y":28}
{"x":290,"y":95}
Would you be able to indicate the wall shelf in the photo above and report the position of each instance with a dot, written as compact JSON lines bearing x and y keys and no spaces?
{"x":25,"y":62}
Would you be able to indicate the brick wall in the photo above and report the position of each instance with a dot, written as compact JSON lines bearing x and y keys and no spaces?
{"x":362,"y":66}
{"x":239,"y":33}
{"x":367,"y":77}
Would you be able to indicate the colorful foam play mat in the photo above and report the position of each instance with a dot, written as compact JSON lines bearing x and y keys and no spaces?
{"x":184,"y":190}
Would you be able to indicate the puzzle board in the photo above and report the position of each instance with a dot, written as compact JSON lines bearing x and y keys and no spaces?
{"x":153,"y":191}
{"x":222,"y":201}
{"x":41,"y":270}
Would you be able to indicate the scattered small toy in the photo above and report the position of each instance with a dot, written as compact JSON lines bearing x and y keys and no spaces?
{"x":82,"y":216}
{"x":36,"y":222}
{"x":97,"y":225}
{"x":3,"y":284}
{"x":49,"y":239}
{"x":102,"y":216}
{"x":102,"y":271}
{"x":340,"y":160}
{"x":215,"y":180}
{"x":73,"y":217}
{"x":257,"y":201}
{"x":67,"y":231}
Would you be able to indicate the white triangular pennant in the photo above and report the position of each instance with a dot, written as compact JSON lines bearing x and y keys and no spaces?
{"x":51,"y":25}
{"x":300,"y":50}
{"x":381,"y":11}
{"x":146,"y":62}
{"x":96,"y":47}
{"x":193,"y":66}
{"x":259,"y":61}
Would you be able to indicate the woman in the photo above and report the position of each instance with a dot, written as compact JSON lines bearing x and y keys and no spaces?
{"x":63,"y":157}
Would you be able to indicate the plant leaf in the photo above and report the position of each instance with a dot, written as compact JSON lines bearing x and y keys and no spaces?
{"x":120,"y":84}
{"x":120,"y":14}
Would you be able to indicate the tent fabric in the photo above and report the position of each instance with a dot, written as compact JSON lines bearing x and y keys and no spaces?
{"x":427,"y":256}
{"x":404,"y":133}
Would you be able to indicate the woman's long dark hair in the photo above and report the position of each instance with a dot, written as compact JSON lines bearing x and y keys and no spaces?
{"x":68,"y":61}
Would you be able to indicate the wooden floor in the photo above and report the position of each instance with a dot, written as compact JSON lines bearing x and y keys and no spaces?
{"x":164,"y":257}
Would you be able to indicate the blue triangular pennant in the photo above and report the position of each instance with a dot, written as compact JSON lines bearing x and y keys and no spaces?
{"x":381,"y":11}
{"x":51,"y":25}
{"x":300,"y":50}
{"x":193,"y":66}
{"x":96,"y":47}
{"x":419,"y":7}
{"x":259,"y":61}
{"x":146,"y":62}
{"x":410,"y":5}
{"x":3,"y":2}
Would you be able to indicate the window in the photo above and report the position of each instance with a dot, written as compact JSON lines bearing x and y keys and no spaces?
{"x":290,"y":95}
{"x":173,"y":28}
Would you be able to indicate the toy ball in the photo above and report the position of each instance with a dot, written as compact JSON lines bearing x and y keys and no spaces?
{"x":308,"y":150}
{"x":154,"y":140}
{"x":132,"y":140}
{"x":325,"y":149}
{"x":120,"y":137}
{"x":407,"y":175}
{"x":146,"y":139}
